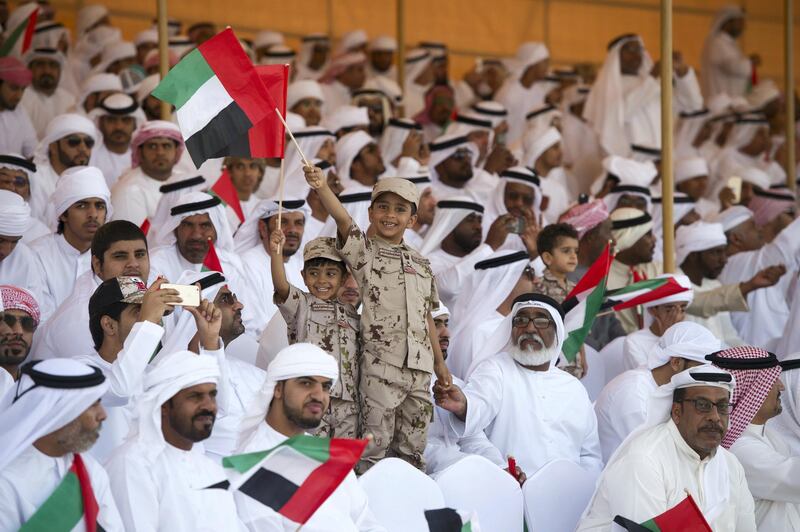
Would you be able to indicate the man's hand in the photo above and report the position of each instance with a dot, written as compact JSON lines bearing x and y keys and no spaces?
{"x":678,"y":65}
{"x":315,"y":177}
{"x":498,"y":231}
{"x":519,"y":475}
{"x":412,"y":145}
{"x":451,"y":398}
{"x":157,"y":302}
{"x":763,"y":279}
{"x":208,"y":319}
{"x":276,"y":240}
{"x":531,"y":233}
{"x":727,"y":198}
{"x":442,"y":373}
{"x":499,"y":160}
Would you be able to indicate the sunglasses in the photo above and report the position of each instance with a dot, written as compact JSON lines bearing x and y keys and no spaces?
{"x":28,"y":324}
{"x":75,"y":141}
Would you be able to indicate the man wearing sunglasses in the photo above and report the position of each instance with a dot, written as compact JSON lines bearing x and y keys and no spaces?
{"x":451,"y":167}
{"x":527,"y":407}
{"x":20,"y":319}
{"x":68,"y":142}
{"x":679,"y":450}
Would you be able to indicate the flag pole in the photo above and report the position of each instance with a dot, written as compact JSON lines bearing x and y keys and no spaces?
{"x":401,"y":52}
{"x":163,"y":52}
{"x":667,"y":186}
{"x":791,"y":155}
{"x":280,"y":196}
{"x":289,"y":131}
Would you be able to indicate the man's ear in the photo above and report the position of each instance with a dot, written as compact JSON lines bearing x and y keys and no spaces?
{"x":108,"y":325}
{"x":677,"y":410}
{"x":95,"y":265}
{"x":278,"y":392}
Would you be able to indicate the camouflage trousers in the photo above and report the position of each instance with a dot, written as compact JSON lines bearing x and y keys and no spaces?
{"x":396,"y":409}
{"x":341,"y":420}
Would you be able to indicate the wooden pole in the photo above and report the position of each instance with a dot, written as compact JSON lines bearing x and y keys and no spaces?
{"x":163,"y":52}
{"x":329,"y":15}
{"x":791,"y":141}
{"x":667,"y":136}
{"x":401,"y":52}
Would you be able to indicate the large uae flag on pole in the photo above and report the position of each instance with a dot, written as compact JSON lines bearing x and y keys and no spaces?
{"x":218,"y":95}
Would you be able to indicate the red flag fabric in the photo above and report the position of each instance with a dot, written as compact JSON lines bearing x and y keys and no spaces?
{"x":211,"y":263}
{"x":226,"y":192}
{"x":683,"y":517}
{"x":145,"y":227}
{"x":268,"y":138}
{"x":90,"y":507}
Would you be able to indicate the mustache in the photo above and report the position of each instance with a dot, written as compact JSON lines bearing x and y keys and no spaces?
{"x":529,"y":336}
{"x":205,"y":413}
{"x":713,"y":427}
{"x":314,"y":402}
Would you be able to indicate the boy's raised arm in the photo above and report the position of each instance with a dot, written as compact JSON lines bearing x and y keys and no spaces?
{"x":316,"y":180}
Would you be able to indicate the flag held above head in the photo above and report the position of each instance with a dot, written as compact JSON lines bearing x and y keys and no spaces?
{"x":218,"y":95}
{"x":19,"y":39}
{"x":226,"y":192}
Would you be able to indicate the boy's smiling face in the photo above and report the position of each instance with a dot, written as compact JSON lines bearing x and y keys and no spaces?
{"x":391,"y":215}
{"x":323,"y":279}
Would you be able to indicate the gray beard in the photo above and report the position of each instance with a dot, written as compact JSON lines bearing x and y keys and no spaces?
{"x":529,"y":356}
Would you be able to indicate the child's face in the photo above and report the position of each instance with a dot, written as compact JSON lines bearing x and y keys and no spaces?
{"x":323,"y":281}
{"x":390,"y":215}
{"x":564,"y":257}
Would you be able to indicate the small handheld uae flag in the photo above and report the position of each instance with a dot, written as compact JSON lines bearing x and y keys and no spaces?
{"x":584,"y":303}
{"x":19,"y":38}
{"x":642,"y":292}
{"x":218,"y":95}
{"x":683,"y":517}
{"x":296,"y":477}
{"x":449,"y":520}
{"x":211,"y":263}
{"x":226,"y":192}
{"x":72,"y":501}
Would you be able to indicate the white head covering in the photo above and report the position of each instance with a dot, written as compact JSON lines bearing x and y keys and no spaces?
{"x":689,"y":168}
{"x":681,"y":206}
{"x":17,"y":16}
{"x":147,"y":36}
{"x":307,"y":50}
{"x":100,"y":82}
{"x":147,"y":86}
{"x":39,"y":404}
{"x":199,"y":203}
{"x":754,"y":176}
{"x":605,"y":106}
{"x":311,"y":140}
{"x":170,"y":193}
{"x":681,"y":297}
{"x":48,"y":34}
{"x":352,"y":39}
{"x":628,"y":225}
{"x":439,"y":312}
{"x":76,"y":184}
{"x":297,"y":360}
{"x":247,"y":236}
{"x":347,"y":148}
{"x":516,"y":174}
{"x":501,"y":336}
{"x":301,"y":90}
{"x":445,"y":146}
{"x":449,"y":213}
{"x":347,"y":116}
{"x":88,"y":16}
{"x":528,"y":54}
{"x":723,"y":15}
{"x":744,"y":130}
{"x":116,"y":52}
{"x":732,"y":217}
{"x":788,"y":422}
{"x":118,"y":104}
{"x":175,"y":372}
{"x":417,"y":60}
{"x":698,"y":236}
{"x":15,"y":214}
{"x":60,"y":127}
{"x":684,"y":339}
{"x":395,"y":134}
{"x":537,"y":142}
{"x":635,"y":178}
{"x":383,"y":43}
{"x":267,"y":38}
{"x":278,"y":54}
{"x":44,"y":53}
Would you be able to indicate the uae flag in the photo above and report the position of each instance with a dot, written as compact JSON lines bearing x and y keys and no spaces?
{"x":296,"y":477}
{"x":211,"y":263}
{"x":583,"y":304}
{"x":683,"y":517}
{"x":218,"y":95}
{"x":226,"y":192}
{"x":72,"y":501}
{"x":268,"y":137}
{"x":642,"y":292}
{"x":145,"y":227}
{"x":19,"y":39}
{"x":449,"y":520}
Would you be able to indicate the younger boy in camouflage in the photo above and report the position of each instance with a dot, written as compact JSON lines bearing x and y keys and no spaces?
{"x":317,"y":317}
{"x":398,"y":338}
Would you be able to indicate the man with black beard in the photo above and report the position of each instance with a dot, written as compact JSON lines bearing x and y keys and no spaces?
{"x":20,"y":319}
{"x":161,"y":477}
{"x":117,"y":117}
{"x":43,"y":99}
{"x":527,"y":407}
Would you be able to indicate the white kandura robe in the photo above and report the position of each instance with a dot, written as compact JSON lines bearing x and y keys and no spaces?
{"x":136,"y":195}
{"x":520,"y":101}
{"x":19,"y":269}
{"x":27,"y":482}
{"x":42,"y":108}
{"x":773,"y":476}
{"x":726,"y":68}
{"x":443,"y":450}
{"x":113,"y":165}
{"x":720,"y":323}
{"x":554,"y":188}
{"x":622,"y":407}
{"x":636,"y":347}
{"x":358,"y":210}
{"x":451,"y":272}
{"x":172,"y":491}
{"x":653,"y":475}
{"x":125,"y":377}
{"x":60,"y":265}
{"x":535,"y":416}
{"x":17,"y":134}
{"x":335,"y":95}
{"x":258,"y":298}
{"x":346,"y":510}
{"x":43,"y":184}
{"x":168,"y":261}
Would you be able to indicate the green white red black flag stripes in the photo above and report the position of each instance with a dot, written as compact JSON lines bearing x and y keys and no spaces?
{"x":296,"y":477}
{"x":683,"y":517}
{"x":642,"y":292}
{"x":20,"y":38}
{"x":583,"y":304}
{"x":218,"y":95}
{"x":450,"y":520}
{"x":72,"y":501}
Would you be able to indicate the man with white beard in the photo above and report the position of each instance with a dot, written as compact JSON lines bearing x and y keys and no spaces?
{"x":528,"y":408}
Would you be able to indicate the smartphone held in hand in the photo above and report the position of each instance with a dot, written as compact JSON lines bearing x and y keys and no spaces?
{"x":517,"y":226}
{"x":189,"y":294}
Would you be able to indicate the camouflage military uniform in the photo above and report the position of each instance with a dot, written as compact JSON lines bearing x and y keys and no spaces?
{"x":548,"y":285}
{"x":333,"y":327}
{"x":397,"y":292}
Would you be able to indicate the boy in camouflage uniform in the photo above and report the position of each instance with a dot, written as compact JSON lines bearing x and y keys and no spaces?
{"x":318,"y":318}
{"x":398,"y":337}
